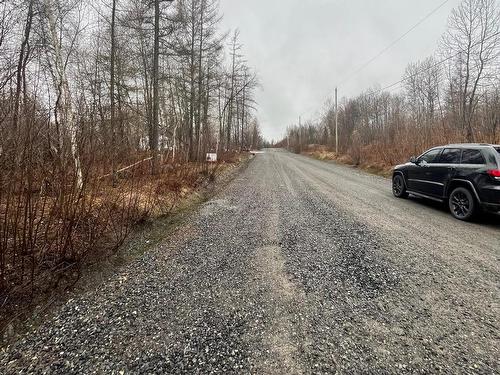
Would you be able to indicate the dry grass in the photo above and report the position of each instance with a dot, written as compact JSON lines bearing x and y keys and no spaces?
{"x":374,"y":168}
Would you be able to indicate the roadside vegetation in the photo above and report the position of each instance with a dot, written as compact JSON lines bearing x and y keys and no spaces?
{"x":451,"y":96}
{"x":107,"y":111}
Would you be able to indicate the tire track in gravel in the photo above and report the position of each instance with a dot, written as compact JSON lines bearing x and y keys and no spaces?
{"x":283,"y":353}
{"x":283,"y":298}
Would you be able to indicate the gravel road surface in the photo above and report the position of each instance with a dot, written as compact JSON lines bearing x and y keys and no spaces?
{"x":297,"y":267}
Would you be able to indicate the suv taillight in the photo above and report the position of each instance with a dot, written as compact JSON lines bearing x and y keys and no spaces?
{"x":494,"y":173}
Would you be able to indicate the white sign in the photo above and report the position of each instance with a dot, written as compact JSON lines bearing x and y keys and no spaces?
{"x":212,"y":158}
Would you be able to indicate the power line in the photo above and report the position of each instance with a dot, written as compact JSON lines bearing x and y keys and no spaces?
{"x":432,"y":66}
{"x":417,"y":73}
{"x":393,"y":43}
{"x":421,"y":70}
{"x":387,"y":48}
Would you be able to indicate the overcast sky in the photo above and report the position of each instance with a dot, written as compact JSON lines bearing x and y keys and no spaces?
{"x":302,"y":48}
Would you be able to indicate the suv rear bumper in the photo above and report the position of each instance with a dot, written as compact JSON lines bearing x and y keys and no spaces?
{"x":491,"y":197}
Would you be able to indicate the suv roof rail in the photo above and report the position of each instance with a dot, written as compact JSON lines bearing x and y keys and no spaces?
{"x":468,"y":144}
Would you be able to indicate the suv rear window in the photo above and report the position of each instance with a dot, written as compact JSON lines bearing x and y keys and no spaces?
{"x":450,"y":156}
{"x":470,"y":156}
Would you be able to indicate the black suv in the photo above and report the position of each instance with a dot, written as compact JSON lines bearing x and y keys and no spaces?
{"x":466,"y":176}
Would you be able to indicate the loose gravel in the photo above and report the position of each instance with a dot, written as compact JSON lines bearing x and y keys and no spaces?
{"x":298,"y":267}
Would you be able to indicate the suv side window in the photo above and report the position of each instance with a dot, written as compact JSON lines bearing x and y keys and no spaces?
{"x":430,"y":156}
{"x":470,"y":156}
{"x":450,"y":156}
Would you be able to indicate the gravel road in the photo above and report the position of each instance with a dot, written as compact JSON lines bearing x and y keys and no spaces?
{"x":297,"y":267}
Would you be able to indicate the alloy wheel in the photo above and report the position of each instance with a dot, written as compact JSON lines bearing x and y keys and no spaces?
{"x":461,"y":204}
{"x":397,"y":185}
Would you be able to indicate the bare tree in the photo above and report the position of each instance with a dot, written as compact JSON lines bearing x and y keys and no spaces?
{"x":112,"y":90}
{"x":473,"y":38}
{"x":156,"y":99}
{"x":235,"y":57}
{"x":21,"y":64}
{"x":64,"y":106}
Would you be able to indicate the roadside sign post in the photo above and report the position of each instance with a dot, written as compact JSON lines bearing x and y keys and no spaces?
{"x":211,"y":157}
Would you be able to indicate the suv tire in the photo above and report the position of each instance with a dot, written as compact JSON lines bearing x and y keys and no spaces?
{"x":462,"y":204}
{"x":399,"y":186}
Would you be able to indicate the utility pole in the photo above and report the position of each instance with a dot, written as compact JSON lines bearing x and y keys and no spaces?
{"x":336,"y":123}
{"x":300,"y":133}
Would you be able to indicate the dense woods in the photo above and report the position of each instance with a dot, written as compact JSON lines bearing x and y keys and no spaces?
{"x":107,"y":110}
{"x":452,"y":96}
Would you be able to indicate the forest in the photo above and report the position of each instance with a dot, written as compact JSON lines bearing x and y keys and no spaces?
{"x":452,"y":96}
{"x":107,"y":110}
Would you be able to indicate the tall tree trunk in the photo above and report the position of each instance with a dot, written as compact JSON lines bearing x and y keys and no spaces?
{"x":156,"y":100}
{"x":192,"y":80}
{"x":112,"y":94}
{"x":231,"y":97}
{"x":20,"y":68}
{"x":200,"y":81}
{"x":65,"y":106}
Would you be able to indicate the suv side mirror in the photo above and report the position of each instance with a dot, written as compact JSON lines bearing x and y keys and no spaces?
{"x":413,"y":160}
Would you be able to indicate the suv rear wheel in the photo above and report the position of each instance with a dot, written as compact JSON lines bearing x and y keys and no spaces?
{"x":462,"y":204}
{"x":398,"y":186}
